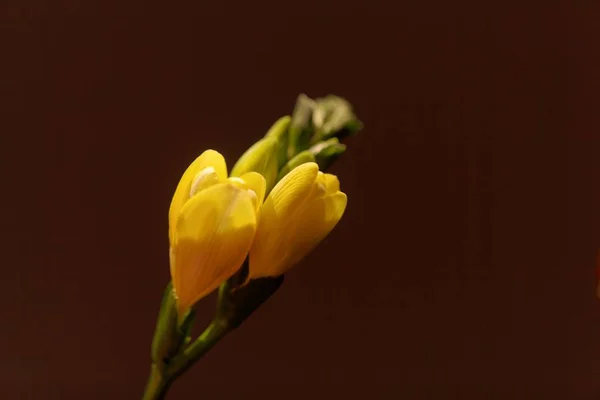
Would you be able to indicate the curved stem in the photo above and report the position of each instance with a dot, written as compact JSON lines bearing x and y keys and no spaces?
{"x":233,"y":307}
{"x":210,"y":337}
{"x":157,"y":386}
{"x":160,"y":379}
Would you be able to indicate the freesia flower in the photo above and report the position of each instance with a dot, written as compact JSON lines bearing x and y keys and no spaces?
{"x":298,"y":214}
{"x":212,"y":222}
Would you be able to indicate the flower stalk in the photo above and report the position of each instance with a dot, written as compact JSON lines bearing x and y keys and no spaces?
{"x":241,"y":233}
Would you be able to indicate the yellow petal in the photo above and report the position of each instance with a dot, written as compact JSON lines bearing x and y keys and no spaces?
{"x":209,"y":158}
{"x":255,"y":182}
{"x":331,"y":182}
{"x":286,"y":198}
{"x":292,"y":190}
{"x":319,"y":219}
{"x":205,"y":178}
{"x":214,"y":232}
{"x":284,"y":238}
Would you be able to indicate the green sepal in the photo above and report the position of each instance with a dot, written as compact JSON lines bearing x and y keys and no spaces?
{"x":184,"y":329}
{"x":166,"y":334}
{"x":327,"y":152}
{"x":236,"y":302}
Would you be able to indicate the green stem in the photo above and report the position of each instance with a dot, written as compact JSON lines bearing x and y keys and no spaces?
{"x":210,"y":337}
{"x":157,"y":386}
{"x":232,"y":309}
{"x":160,"y":380}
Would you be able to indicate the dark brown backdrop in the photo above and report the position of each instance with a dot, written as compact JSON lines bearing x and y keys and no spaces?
{"x":464,"y":268}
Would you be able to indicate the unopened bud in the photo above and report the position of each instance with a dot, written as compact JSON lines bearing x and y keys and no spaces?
{"x":279,"y":131}
{"x":333,"y":117}
{"x":261,"y":157}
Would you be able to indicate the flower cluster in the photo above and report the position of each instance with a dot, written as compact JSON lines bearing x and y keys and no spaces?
{"x":242,"y":231}
{"x":216,"y":221}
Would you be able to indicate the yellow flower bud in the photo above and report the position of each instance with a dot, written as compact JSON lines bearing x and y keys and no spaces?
{"x":212,"y":222}
{"x":299,"y":212}
{"x":262,"y":158}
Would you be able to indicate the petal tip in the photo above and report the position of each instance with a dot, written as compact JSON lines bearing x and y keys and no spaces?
{"x":310,"y":166}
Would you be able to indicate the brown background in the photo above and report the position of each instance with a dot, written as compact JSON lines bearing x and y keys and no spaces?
{"x":463,"y":269}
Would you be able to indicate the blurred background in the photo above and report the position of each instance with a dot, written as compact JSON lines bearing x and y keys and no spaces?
{"x":464,"y":267}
